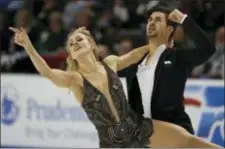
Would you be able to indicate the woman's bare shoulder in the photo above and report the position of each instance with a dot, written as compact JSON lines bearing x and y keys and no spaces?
{"x":111,"y":61}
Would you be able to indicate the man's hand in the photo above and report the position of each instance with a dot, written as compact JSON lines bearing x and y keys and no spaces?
{"x":176,"y":16}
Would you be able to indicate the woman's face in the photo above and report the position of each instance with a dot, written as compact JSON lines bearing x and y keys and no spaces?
{"x":78,"y":45}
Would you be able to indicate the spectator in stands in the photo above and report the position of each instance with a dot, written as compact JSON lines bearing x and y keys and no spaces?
{"x":14,"y":5}
{"x":102,"y":51}
{"x":15,"y":60}
{"x":83,"y":18}
{"x":53,"y":38}
{"x":105,"y":27}
{"x":124,"y":47}
{"x":105,"y":19}
{"x":24,"y":19}
{"x":218,"y":61}
{"x":48,"y":7}
{"x":120,"y":11}
{"x":72,"y":8}
{"x":108,"y":20}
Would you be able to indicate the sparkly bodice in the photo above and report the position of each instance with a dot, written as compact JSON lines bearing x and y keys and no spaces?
{"x":98,"y":111}
{"x":95,"y":103}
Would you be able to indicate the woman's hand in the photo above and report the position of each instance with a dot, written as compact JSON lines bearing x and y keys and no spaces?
{"x":21,"y":38}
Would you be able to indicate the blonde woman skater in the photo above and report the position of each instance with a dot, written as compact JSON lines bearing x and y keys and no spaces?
{"x":99,"y":91}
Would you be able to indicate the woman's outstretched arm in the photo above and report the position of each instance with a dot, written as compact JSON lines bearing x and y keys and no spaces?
{"x":128,"y":59}
{"x":58,"y":77}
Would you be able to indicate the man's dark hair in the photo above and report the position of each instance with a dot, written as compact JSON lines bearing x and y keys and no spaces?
{"x":167,"y":11}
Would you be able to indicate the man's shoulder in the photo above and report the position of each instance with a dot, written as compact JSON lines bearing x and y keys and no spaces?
{"x":171,"y":53}
{"x":128,"y":71}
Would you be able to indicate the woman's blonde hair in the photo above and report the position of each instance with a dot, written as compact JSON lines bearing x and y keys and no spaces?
{"x":72,"y":64}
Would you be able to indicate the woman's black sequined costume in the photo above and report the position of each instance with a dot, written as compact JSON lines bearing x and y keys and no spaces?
{"x":132,"y":131}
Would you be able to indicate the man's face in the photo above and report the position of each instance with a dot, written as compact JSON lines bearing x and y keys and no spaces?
{"x":157,"y":26}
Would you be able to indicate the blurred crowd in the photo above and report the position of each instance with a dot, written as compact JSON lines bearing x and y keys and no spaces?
{"x":118,"y":26}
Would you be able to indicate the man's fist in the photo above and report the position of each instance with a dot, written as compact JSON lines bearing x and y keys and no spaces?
{"x":176,"y":16}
